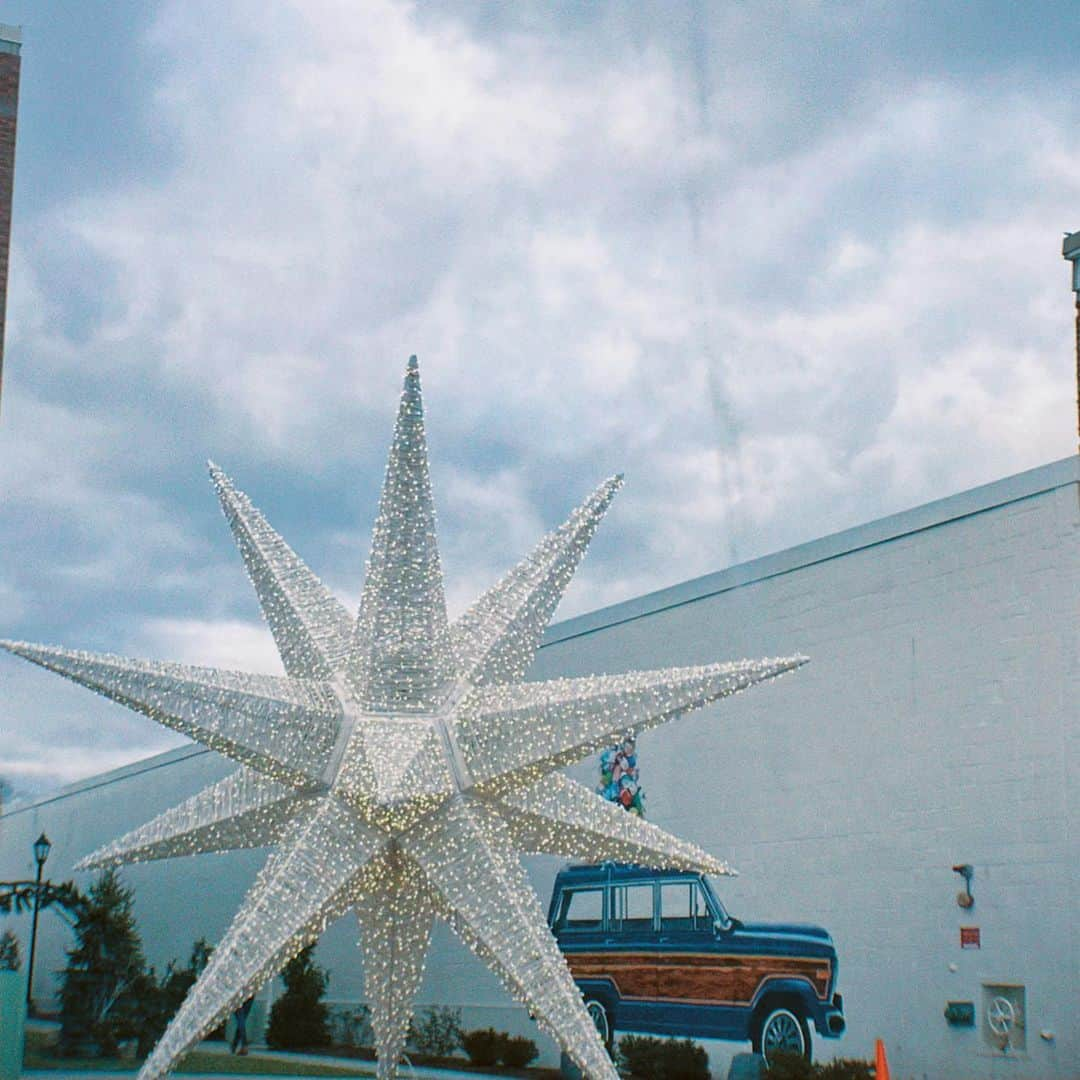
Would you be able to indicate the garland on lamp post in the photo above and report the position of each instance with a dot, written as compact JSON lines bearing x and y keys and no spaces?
{"x":34,"y":896}
{"x":17,"y":897}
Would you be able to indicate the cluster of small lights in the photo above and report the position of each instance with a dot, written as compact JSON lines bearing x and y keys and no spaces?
{"x":400,"y":767}
{"x":557,"y":814}
{"x":511,"y":734}
{"x":246,"y":809}
{"x":401,"y":658}
{"x":496,"y":639}
{"x":284,"y":727}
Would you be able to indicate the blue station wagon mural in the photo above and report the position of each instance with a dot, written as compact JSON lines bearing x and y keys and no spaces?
{"x":655,"y":951}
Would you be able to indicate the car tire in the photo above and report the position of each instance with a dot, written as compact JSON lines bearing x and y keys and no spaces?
{"x":600,"y":1016}
{"x":782,"y":1029}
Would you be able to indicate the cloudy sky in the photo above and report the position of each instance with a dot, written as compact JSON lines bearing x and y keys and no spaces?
{"x":790,"y":266}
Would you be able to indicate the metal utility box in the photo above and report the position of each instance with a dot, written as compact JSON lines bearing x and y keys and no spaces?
{"x":12,"y":1023}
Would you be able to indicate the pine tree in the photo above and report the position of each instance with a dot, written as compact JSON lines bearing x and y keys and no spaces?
{"x":298,"y":1020}
{"x":105,"y":970}
{"x":10,"y":956}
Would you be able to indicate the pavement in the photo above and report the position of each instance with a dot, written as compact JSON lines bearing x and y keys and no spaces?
{"x":404,"y":1070}
{"x":424,"y":1072}
{"x":361,"y":1067}
{"x":358,"y":1065}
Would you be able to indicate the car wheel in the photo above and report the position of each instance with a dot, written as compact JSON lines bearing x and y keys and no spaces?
{"x":782,"y":1030}
{"x":602,"y":1019}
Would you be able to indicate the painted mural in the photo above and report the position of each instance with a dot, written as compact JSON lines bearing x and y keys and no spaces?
{"x":656,"y":952}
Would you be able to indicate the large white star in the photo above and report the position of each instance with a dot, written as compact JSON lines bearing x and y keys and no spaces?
{"x":387,"y":769}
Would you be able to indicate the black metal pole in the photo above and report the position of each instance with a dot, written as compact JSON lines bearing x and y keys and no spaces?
{"x":33,"y":940}
{"x":1070,"y":251}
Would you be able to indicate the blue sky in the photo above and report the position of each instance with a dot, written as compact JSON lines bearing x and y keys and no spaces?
{"x":789,"y":266}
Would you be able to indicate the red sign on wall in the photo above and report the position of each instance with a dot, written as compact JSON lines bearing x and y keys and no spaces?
{"x":969,"y":937}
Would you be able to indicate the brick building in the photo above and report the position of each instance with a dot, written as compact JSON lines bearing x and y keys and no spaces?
{"x":935,"y":725}
{"x":10,"y":44}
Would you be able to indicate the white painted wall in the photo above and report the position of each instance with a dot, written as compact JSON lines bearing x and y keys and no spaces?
{"x":935,"y":725}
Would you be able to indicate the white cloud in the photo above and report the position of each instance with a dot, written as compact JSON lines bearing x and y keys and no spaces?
{"x":569,"y":223}
{"x":223,"y":643}
{"x":377,"y":184}
{"x":53,"y":732}
{"x":35,"y":765}
{"x":12,"y":604}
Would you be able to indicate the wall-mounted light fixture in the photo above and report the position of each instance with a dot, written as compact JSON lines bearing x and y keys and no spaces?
{"x":967,"y":872}
{"x":960,"y":1013}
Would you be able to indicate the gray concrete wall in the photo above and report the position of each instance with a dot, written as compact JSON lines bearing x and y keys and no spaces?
{"x":935,"y":725}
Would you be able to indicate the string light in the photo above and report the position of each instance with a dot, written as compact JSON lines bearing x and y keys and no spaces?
{"x":401,"y":766}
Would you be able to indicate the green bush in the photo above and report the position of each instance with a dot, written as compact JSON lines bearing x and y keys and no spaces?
{"x":645,"y":1058}
{"x":483,"y":1046}
{"x":490,"y":1047}
{"x":351,"y":1027}
{"x":10,"y":957}
{"x":787,"y":1066}
{"x":107,"y":995}
{"x":436,"y":1032}
{"x":158,"y":1002}
{"x":845,"y":1069}
{"x":298,"y":1020}
{"x":517,"y":1051}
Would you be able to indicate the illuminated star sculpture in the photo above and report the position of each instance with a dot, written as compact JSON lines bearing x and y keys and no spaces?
{"x":401,"y":765}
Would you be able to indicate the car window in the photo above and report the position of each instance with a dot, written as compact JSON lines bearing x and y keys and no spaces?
{"x":683,"y":907}
{"x":583,"y":909}
{"x":703,"y":916}
{"x":634,"y":907}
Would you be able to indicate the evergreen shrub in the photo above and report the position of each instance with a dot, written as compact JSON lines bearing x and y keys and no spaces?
{"x":351,"y":1027}
{"x":101,"y":986}
{"x":845,"y":1069}
{"x":646,"y":1058}
{"x":786,"y":1066}
{"x":10,"y":957}
{"x":299,"y":1018}
{"x":517,"y":1051}
{"x":483,"y":1046}
{"x":436,"y":1032}
{"x":157,"y":1002}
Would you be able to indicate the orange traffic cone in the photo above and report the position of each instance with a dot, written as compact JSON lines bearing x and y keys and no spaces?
{"x":881,"y":1062}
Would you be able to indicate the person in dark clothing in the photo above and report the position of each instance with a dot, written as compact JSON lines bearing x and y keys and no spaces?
{"x":240,"y":1038}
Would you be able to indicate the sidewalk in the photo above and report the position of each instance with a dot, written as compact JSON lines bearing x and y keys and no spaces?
{"x":356,"y":1065}
{"x":421,"y":1072}
{"x":407,"y":1072}
{"x":361,"y":1068}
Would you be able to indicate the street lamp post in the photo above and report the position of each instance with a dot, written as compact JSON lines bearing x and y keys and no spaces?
{"x":1070,"y":250}
{"x":41,"y":853}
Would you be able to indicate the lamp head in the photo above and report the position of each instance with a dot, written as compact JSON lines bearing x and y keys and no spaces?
{"x":41,"y":849}
{"x":967,"y":872}
{"x":1070,"y":249}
